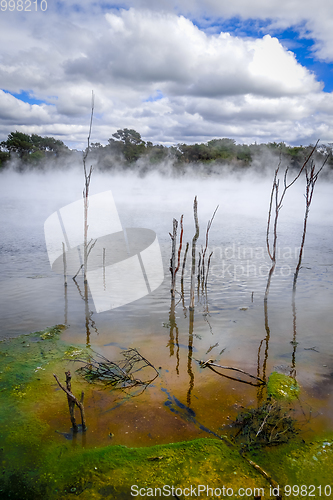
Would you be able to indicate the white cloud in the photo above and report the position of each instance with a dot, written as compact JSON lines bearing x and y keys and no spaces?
{"x":208,"y":85}
{"x":169,"y":51}
{"x":14,"y":111}
{"x":314,"y":19}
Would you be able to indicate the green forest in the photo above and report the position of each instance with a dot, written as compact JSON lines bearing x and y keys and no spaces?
{"x":127,"y":150}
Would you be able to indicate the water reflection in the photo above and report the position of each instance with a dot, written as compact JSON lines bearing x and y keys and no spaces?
{"x":189,"y":357}
{"x":174,"y":333}
{"x":88,"y":313}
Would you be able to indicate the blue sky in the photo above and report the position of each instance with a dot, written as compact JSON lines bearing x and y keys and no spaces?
{"x":253,"y":71}
{"x":25,"y":96}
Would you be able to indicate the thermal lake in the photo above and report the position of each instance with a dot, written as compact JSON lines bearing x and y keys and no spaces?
{"x":228,"y":322}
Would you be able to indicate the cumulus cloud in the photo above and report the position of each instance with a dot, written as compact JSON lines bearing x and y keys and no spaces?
{"x":15,"y":111}
{"x":311,"y":19}
{"x":171,"y":52}
{"x":156,"y":71}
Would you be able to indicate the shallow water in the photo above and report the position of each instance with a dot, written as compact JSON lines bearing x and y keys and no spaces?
{"x":229,"y":323}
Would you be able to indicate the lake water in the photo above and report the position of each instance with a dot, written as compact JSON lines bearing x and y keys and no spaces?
{"x":228,"y":324}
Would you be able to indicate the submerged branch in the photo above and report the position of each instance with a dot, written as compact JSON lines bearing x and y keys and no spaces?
{"x":210,"y":364}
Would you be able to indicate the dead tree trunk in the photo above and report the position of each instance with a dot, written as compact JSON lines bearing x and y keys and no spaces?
{"x":194,"y":243}
{"x":72,"y":401}
{"x":276,"y":201}
{"x":87,"y":178}
{"x":184,"y":262}
{"x":173,"y":237}
{"x":203,"y":274}
{"x":173,"y":267}
{"x":311,"y":179}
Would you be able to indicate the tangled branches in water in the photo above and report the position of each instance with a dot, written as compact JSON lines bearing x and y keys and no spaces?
{"x":270,"y":424}
{"x":122,"y":375}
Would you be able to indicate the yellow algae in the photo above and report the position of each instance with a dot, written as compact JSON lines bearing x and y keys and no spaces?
{"x":282,"y":386}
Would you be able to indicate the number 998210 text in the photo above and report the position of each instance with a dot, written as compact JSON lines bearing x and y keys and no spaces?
{"x":23,"y":5}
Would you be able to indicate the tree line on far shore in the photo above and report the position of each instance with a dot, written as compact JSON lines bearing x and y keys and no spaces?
{"x":127,"y":150}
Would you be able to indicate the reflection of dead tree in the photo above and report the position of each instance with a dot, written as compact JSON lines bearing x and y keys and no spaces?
{"x":210,"y":364}
{"x":189,"y":357}
{"x":194,"y":243}
{"x":266,"y":339}
{"x":173,"y":340}
{"x":72,"y":401}
{"x":121,"y":374}
{"x":206,"y":313}
{"x":172,"y":321}
{"x":88,"y":314}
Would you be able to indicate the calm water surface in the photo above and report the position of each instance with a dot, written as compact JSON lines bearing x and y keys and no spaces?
{"x":228,"y":323}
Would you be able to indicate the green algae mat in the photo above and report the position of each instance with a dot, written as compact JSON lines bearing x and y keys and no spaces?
{"x":39,"y":462}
